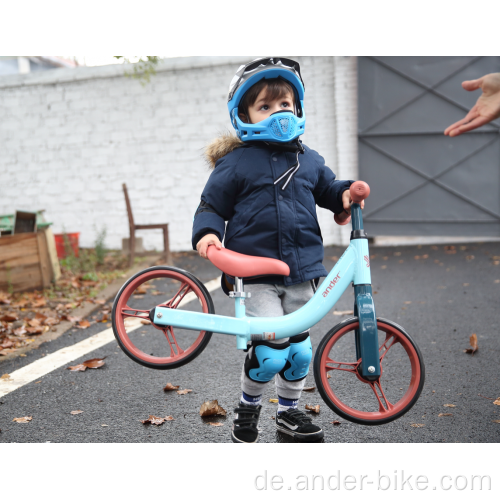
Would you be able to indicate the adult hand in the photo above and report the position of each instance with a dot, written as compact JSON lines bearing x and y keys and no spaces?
{"x":347,"y":201}
{"x":205,"y":242}
{"x":487,"y":107}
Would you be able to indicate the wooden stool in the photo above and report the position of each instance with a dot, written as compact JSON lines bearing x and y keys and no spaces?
{"x":134,"y":227}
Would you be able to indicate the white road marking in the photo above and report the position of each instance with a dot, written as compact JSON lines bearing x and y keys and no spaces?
{"x":49,"y":363}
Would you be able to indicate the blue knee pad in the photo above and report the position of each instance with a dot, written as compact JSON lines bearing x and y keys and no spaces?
{"x":299,"y":358}
{"x":266,"y":360}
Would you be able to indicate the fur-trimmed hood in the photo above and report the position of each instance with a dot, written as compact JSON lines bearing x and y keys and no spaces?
{"x":220,"y":147}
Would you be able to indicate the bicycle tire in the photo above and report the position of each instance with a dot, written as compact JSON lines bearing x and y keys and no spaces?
{"x":387,"y":412}
{"x":176,"y":359}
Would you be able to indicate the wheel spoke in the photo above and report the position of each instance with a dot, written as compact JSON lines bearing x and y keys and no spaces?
{"x":339,"y":365}
{"x":380,"y":397}
{"x":172,"y":341}
{"x":130,"y":312}
{"x":384,"y":348}
{"x":174,"y":302}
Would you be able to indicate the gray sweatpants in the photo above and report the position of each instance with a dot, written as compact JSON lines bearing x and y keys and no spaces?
{"x":270,"y":301}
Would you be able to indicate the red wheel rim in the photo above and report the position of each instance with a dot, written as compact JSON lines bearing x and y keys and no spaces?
{"x":386,"y":408}
{"x":186,"y":286}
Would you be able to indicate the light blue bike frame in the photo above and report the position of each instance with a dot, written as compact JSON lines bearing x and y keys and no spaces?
{"x":352,"y":267}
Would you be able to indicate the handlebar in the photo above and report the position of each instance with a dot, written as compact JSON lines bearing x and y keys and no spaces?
{"x":359,"y":191}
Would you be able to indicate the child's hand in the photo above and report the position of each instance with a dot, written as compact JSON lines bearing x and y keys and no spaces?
{"x":347,"y":201}
{"x":205,"y":242}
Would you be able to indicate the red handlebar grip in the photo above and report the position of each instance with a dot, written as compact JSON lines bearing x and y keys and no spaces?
{"x":342,"y":219}
{"x":359,"y":191}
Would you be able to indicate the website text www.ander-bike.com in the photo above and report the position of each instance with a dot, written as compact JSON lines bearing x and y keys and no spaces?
{"x":397,"y":480}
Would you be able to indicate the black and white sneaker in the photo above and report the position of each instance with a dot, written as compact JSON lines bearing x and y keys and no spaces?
{"x":299,"y":425}
{"x":245,"y":424}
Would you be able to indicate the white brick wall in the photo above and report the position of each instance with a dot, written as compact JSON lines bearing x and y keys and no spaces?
{"x":69,"y":138}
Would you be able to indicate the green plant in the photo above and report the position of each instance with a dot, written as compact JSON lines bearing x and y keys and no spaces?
{"x":100,"y":248}
{"x":144,"y":68}
{"x":90,"y":277}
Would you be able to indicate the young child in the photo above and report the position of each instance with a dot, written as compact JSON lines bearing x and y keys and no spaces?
{"x":267,"y":184}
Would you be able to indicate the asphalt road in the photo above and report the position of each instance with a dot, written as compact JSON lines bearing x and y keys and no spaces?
{"x":440,"y":300}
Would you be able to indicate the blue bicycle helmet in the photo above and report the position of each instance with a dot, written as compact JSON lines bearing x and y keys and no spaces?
{"x":283,"y":126}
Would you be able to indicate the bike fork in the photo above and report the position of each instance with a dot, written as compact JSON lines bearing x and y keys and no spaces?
{"x":367,"y":348}
{"x":366,"y":336}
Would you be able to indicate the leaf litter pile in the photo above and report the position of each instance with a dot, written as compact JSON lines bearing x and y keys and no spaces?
{"x":25,"y":315}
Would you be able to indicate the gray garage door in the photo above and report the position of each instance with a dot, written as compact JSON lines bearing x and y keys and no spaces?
{"x":424,"y":183}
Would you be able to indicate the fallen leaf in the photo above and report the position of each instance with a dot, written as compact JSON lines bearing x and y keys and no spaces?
{"x":36,"y":330}
{"x":469,"y":257}
{"x":328,"y":375}
{"x":170,"y":387}
{"x":141,"y":290}
{"x":335,"y":422}
{"x":5,"y":376}
{"x":4,"y":299}
{"x":77,"y":368}
{"x":184,"y":391}
{"x":417,"y":425}
{"x":445,"y":415}
{"x":274,"y":401}
{"x":104,"y":319}
{"x":309,"y":389}
{"x":496,"y":421}
{"x":22,"y":420}
{"x":104,"y":425}
{"x":90,"y":363}
{"x":408,"y":302}
{"x":473,"y":343}
{"x":210,"y":408}
{"x":496,"y":402}
{"x":51,"y":321}
{"x":145,"y":322}
{"x":76,"y":412}
{"x":216,"y":424}
{"x":156,"y":420}
{"x":83,"y":324}
{"x":20,"y":331}
{"x":450,"y":406}
{"x":156,"y":292}
{"x":312,"y":408}
{"x":450,"y":249}
{"x":9,"y":318}
{"x":72,"y":319}
{"x":6,"y":344}
{"x":342,"y":313}
{"x":102,"y":302}
{"x":383,"y":267}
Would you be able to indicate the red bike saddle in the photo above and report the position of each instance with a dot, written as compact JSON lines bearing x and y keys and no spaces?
{"x":245,"y":266}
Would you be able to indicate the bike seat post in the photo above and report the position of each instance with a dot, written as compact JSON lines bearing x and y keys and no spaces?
{"x":239,"y":297}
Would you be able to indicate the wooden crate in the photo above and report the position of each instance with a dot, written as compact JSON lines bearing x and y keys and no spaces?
{"x":28,"y":261}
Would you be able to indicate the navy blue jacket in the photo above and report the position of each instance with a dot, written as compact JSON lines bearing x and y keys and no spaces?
{"x":264,"y":220}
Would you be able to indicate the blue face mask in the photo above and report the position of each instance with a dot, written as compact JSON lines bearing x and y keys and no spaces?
{"x":282,"y":126}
